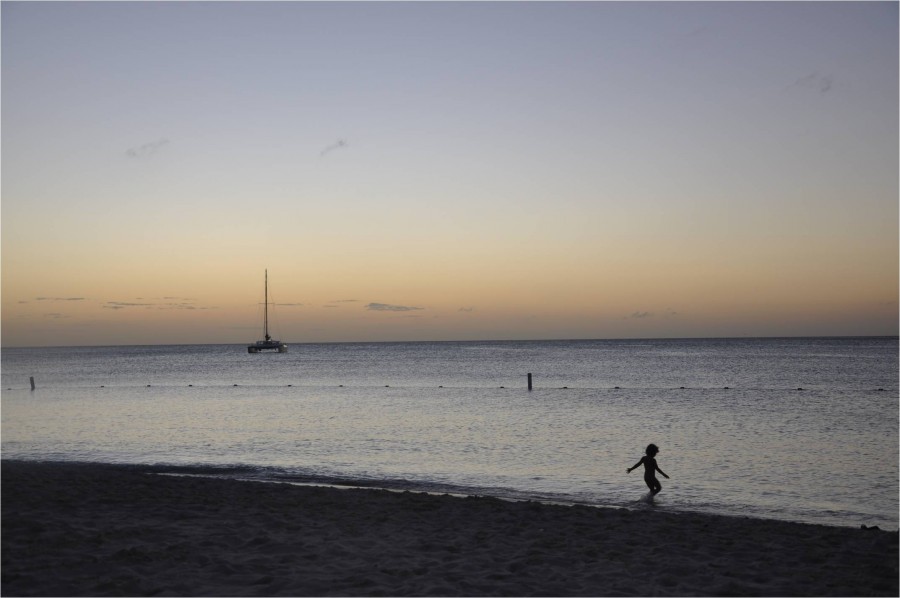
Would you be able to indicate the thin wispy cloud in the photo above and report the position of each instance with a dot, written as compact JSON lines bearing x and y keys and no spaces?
{"x":178,"y":306}
{"x":124,"y":304}
{"x":813,"y":81}
{"x":165,"y":305}
{"x":337,"y":302}
{"x":147,"y":149}
{"x":641,"y":314}
{"x":56,"y":299}
{"x":467,"y":309}
{"x":272,"y":303}
{"x":389,"y":307}
{"x":339,"y":144}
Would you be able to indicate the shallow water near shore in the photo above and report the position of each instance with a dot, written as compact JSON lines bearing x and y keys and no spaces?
{"x":737,"y":435}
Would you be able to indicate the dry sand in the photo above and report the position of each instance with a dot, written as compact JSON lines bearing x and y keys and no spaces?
{"x":72,"y":530}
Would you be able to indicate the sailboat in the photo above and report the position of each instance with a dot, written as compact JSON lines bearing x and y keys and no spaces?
{"x":267,"y":344}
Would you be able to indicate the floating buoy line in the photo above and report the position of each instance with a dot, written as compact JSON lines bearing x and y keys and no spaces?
{"x":529,"y":387}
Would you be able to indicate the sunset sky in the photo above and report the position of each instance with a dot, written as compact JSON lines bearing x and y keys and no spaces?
{"x":452,"y":171}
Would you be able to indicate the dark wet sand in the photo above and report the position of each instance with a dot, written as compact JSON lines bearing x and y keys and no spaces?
{"x":77,"y":530}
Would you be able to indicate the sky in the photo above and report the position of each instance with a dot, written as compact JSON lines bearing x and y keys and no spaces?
{"x":447,"y":171}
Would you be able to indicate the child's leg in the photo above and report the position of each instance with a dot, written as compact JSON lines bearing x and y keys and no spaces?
{"x":653,"y":484}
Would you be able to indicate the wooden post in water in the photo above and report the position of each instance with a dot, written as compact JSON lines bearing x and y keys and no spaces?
{"x":529,"y":381}
{"x":32,"y":382}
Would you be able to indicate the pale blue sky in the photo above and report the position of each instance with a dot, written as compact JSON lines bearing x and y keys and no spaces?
{"x":596,"y":145}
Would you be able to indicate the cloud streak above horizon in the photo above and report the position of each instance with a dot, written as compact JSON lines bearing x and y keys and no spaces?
{"x":389,"y":307}
{"x":147,"y":149}
{"x":813,"y":81}
{"x":339,"y":144}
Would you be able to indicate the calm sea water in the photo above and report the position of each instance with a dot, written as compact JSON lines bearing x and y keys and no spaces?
{"x":737,"y":436}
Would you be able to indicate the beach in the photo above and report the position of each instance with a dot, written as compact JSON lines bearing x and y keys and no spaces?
{"x":93,"y":529}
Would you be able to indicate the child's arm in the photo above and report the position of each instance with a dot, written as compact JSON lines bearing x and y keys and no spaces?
{"x":662,"y":472}
{"x":636,"y":465}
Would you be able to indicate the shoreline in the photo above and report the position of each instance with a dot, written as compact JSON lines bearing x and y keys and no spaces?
{"x":506,"y":495}
{"x":80,"y":529}
{"x":275,"y":475}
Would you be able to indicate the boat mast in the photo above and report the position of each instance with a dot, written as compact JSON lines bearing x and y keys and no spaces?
{"x":266,"y":318}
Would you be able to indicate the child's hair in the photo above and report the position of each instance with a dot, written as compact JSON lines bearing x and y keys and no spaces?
{"x":652,"y":449}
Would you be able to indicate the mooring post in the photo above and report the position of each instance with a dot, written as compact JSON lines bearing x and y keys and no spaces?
{"x":529,"y":381}
{"x":32,"y":382}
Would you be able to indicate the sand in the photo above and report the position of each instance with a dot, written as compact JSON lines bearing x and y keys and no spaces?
{"x":75,"y":530}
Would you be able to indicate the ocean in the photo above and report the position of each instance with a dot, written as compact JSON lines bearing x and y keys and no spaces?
{"x":799,"y":429}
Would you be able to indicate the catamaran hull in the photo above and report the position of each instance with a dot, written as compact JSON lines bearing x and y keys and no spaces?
{"x":273,"y":347}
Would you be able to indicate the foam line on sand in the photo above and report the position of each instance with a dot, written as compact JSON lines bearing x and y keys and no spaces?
{"x":77,"y":529}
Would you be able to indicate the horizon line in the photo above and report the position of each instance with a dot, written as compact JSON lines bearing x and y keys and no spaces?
{"x":536,"y":340}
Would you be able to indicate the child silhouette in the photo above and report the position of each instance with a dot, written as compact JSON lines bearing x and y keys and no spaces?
{"x":650,"y":469}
